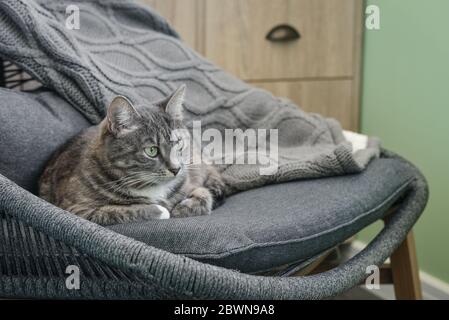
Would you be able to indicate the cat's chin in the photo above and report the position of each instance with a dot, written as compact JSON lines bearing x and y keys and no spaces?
{"x":169,"y":179}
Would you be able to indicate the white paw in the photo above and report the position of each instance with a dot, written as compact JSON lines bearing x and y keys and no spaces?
{"x":165,"y":213}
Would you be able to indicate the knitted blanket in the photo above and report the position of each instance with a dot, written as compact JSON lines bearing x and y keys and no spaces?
{"x":123,"y":48}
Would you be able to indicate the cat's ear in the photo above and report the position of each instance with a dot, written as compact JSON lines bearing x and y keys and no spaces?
{"x":121,"y":116}
{"x":173,"y":104}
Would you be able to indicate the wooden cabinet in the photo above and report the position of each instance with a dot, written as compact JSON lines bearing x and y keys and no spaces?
{"x":320,"y":71}
{"x":235,"y":38}
{"x":332,"y":98}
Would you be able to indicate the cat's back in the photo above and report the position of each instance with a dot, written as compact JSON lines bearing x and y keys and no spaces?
{"x":63,"y":165}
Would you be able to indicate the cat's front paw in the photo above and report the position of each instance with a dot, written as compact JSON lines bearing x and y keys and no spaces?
{"x":164,"y":213}
{"x":190,"y":207}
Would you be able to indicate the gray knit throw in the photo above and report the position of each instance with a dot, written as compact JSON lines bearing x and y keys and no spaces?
{"x":123,"y":48}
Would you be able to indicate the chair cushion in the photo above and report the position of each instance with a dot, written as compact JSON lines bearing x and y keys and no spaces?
{"x":33,"y":126}
{"x":253,"y":231}
{"x":279,"y":224}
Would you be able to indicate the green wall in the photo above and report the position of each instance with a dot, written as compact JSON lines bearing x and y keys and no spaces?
{"x":405,"y":102}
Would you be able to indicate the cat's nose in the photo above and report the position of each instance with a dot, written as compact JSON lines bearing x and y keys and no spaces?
{"x":174,"y":170}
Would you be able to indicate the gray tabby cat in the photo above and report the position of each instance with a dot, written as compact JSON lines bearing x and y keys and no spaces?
{"x":124,"y":170}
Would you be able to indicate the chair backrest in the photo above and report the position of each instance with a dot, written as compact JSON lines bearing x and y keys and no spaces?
{"x":34,"y":125}
{"x":14,"y":77}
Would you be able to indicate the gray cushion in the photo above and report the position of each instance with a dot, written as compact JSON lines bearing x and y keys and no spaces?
{"x":267,"y":227}
{"x":33,"y":126}
{"x":253,"y":231}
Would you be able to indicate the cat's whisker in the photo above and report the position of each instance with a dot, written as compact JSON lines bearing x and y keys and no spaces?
{"x":118,"y":180}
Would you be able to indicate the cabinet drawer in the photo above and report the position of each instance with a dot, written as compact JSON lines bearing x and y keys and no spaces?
{"x":235,"y":37}
{"x":329,"y":98}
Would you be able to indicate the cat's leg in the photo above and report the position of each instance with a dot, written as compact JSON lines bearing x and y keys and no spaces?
{"x":217,"y":187}
{"x":198,"y":203}
{"x":116,"y":214}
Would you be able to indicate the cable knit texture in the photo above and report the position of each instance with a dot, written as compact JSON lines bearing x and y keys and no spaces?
{"x":127,"y":49}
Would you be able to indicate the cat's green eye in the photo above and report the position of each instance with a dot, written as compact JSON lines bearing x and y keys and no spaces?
{"x":152,"y":151}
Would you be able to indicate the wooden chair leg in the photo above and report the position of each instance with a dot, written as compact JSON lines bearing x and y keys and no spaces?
{"x":404,"y":265}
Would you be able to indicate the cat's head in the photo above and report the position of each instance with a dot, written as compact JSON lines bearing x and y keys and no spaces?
{"x":139,"y":141}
